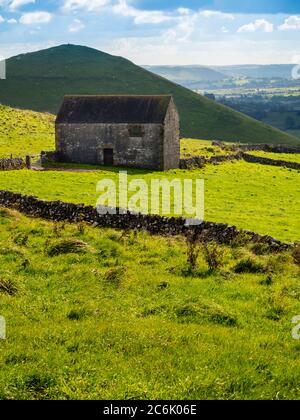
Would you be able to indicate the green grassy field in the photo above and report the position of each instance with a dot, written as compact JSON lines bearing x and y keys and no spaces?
{"x":104,"y":314}
{"x":121,"y":318}
{"x":255,"y":197}
{"x":264,"y":199}
{"x":192,"y":147}
{"x":39,"y":80}
{"x":25,"y":132}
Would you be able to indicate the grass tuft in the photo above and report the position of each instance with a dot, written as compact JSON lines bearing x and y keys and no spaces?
{"x":249,"y":265}
{"x":66,"y":246}
{"x":8,"y":286}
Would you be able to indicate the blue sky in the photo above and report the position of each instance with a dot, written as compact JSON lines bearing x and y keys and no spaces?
{"x":208,"y":32}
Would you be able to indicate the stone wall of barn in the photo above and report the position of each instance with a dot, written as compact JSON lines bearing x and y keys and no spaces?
{"x":85,"y":143}
{"x":171,"y":138}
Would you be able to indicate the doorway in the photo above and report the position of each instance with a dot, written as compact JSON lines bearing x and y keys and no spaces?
{"x":108,"y":157}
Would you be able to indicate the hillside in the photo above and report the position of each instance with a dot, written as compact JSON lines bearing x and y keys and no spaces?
{"x":104,"y":314}
{"x":25,"y":132}
{"x":187,"y":74}
{"x":255,"y":71}
{"x":38,"y":81}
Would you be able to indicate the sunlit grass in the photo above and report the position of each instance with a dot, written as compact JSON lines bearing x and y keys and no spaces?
{"x":119,"y":320}
{"x":25,"y":132}
{"x":264,"y":199}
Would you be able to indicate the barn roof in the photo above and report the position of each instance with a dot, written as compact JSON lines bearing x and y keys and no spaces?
{"x":114,"y":109}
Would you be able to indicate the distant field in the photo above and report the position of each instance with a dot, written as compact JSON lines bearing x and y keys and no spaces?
{"x":191,"y":147}
{"x":264,"y":199}
{"x":121,"y":318}
{"x":288,"y":157}
{"x":272,"y":91}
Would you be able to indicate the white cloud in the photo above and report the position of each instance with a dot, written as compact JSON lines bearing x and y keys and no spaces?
{"x":2,"y":19}
{"x":15,"y":4}
{"x":215,"y":14}
{"x":259,"y":25}
{"x":123,"y":8}
{"x":291,"y":23}
{"x":141,"y":16}
{"x":35,"y":18}
{"x":188,"y":21}
{"x":12,"y":21}
{"x":76,"y":26}
{"x":90,"y":5}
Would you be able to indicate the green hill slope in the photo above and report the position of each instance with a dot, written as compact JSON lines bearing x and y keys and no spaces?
{"x":25,"y":132}
{"x":39,"y":80}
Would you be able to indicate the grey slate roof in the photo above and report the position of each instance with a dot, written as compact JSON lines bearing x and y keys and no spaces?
{"x":114,"y":109}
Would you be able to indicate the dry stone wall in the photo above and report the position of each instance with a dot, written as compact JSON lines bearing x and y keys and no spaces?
{"x":58,"y":211}
{"x":272,"y":162}
{"x":12,"y":164}
{"x":280,"y":148}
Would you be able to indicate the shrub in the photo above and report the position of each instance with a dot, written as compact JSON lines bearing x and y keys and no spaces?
{"x":249,"y":265}
{"x":193,"y":250}
{"x":66,"y":246}
{"x":58,"y":228}
{"x":214,"y":255}
{"x":81,"y":228}
{"x":8,"y":286}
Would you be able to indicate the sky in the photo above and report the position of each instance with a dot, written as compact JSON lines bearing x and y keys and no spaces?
{"x":177,"y":32}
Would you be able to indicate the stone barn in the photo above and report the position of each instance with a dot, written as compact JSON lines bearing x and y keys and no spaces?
{"x":130,"y":131}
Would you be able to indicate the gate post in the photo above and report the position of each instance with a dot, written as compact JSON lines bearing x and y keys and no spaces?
{"x":28,"y":162}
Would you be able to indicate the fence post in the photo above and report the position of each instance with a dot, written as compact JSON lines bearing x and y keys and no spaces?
{"x":28,"y":162}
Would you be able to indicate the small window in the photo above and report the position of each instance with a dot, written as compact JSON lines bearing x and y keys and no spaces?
{"x":136,"y":131}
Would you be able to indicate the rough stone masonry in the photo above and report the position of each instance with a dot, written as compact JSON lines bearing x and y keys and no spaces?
{"x":129,"y":131}
{"x":58,"y":211}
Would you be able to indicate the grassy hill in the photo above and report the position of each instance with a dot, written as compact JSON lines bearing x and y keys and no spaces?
{"x":103,"y":314}
{"x":25,"y":132}
{"x":38,"y":81}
